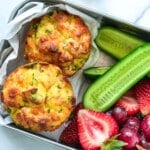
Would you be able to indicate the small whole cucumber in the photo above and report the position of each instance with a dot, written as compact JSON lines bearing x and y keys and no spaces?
{"x":103,"y":93}
{"x":116,"y":42}
{"x":94,"y":72}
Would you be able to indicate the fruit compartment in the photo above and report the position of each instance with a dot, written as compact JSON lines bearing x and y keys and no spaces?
{"x":103,"y":20}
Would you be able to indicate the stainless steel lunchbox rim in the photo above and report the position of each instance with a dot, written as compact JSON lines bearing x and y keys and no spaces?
{"x":13,"y":14}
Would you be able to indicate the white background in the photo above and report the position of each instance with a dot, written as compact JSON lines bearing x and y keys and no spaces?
{"x":128,"y":10}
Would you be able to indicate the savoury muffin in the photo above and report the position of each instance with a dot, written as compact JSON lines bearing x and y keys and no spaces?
{"x":59,"y":38}
{"x":38,"y":96}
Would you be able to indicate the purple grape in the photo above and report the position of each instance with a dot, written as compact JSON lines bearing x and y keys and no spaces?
{"x":129,"y":136}
{"x":144,"y":143}
{"x":145,"y":127}
{"x":132,"y":122}
{"x":109,"y":112}
{"x":119,"y":114}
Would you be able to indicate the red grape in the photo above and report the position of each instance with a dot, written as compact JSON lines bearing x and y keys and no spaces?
{"x":119,"y":114}
{"x":109,"y":112}
{"x":144,"y":143}
{"x":145,"y":127}
{"x":132,"y":122}
{"x":130,"y":136}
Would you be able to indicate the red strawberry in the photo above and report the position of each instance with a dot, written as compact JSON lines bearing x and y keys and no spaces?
{"x":70,"y":134}
{"x":129,"y":104}
{"x":144,"y":105}
{"x":130,"y":93}
{"x":142,"y":92}
{"x":77,"y":108}
{"x":94,"y":128}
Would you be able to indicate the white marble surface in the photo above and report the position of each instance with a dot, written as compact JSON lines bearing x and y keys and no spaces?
{"x":135,"y":11}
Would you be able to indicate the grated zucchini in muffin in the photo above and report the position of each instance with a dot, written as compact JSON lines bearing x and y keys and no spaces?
{"x":38,"y":96}
{"x":60,"y":38}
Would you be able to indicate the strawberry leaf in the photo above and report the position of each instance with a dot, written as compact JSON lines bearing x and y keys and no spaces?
{"x":113,"y":144}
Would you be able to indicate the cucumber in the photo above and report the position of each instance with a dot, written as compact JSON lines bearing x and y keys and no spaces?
{"x":103,"y":93}
{"x":94,"y":72}
{"x":115,"y":42}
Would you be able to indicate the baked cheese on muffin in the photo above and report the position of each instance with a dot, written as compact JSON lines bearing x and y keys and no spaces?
{"x":60,"y":38}
{"x":38,"y":96}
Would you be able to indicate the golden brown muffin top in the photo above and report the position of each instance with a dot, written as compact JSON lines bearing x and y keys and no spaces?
{"x":38,"y":97}
{"x":60,"y":38}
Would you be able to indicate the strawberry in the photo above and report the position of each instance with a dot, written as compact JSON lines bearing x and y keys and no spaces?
{"x":130,"y":93}
{"x":70,"y":134}
{"x":144,"y":105}
{"x":142,"y":93}
{"x":77,"y":108}
{"x":130,"y":104}
{"x":94,"y":128}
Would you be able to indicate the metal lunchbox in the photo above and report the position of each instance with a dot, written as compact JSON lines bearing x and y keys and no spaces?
{"x":103,"y":20}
